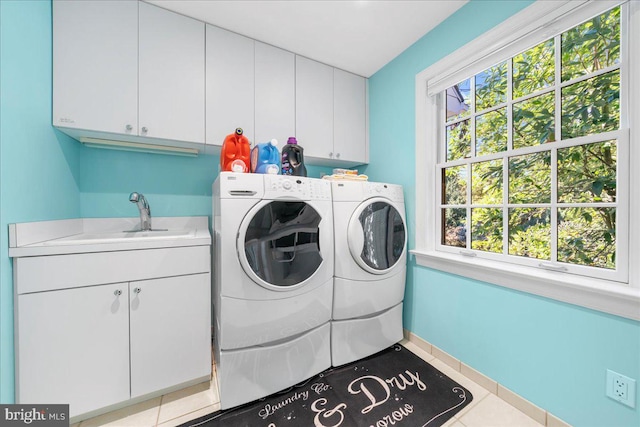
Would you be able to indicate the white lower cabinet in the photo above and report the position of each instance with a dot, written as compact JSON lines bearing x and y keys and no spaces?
{"x":170,"y":330}
{"x":93,"y":346}
{"x":73,"y":347}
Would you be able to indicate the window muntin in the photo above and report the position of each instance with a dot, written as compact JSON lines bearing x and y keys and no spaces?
{"x":544,"y":173}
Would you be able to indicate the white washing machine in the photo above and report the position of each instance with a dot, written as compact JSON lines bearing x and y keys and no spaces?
{"x":273,"y":282}
{"x":370,"y":268}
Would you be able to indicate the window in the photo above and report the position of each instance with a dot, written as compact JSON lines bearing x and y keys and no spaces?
{"x":530,"y":154}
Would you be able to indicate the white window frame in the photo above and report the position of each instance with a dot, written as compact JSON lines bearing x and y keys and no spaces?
{"x":536,"y":23}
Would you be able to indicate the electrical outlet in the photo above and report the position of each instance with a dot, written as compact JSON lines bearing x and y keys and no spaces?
{"x":621,"y":388}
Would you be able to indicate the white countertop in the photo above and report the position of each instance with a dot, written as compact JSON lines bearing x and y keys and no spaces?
{"x":86,"y":235}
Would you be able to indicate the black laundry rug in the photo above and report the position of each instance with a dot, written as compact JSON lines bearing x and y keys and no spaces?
{"x":391,"y":388}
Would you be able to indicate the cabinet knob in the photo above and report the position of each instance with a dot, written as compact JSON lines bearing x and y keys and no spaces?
{"x":117,"y":292}
{"x":129,"y":128}
{"x":137,"y":290}
{"x":331,"y":155}
{"x":144,"y":129}
{"x":337,"y":155}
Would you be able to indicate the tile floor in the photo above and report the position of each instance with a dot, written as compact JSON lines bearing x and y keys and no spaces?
{"x":173,"y":409}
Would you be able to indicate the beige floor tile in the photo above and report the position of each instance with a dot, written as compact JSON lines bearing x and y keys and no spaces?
{"x":521,"y":404}
{"x":453,"y":423}
{"x":479,"y":378}
{"x":188,"y":400}
{"x":445,"y":357}
{"x":214,"y":388}
{"x":142,"y":414}
{"x":418,"y":351}
{"x":553,"y":421}
{"x":495,"y":412}
{"x":426,"y":346}
{"x":476,"y":390}
{"x":191,"y":416}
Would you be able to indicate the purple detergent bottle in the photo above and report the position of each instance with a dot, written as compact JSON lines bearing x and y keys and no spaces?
{"x":293,"y":159}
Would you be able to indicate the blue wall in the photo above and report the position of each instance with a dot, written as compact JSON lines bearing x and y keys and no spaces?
{"x":174,"y":186}
{"x":551,"y":353}
{"x":38,"y":165}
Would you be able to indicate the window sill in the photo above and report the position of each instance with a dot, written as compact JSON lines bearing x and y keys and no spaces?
{"x":602,"y":295}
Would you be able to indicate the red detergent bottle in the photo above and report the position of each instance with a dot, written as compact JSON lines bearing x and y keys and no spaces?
{"x":235,"y":153}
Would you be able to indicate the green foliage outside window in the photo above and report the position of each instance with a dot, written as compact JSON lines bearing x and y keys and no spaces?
{"x":586,"y":174}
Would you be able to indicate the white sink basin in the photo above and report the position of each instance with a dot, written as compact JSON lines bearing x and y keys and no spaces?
{"x":120,"y":236}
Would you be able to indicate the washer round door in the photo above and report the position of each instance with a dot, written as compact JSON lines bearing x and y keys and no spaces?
{"x":279,"y":244}
{"x":377,"y":235}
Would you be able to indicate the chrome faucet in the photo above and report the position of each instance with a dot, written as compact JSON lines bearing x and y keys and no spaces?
{"x":145,"y":210}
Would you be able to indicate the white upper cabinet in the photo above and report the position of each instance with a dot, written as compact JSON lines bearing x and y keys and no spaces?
{"x":131,"y":71}
{"x":275,"y":103}
{"x":330,"y":114}
{"x":127,"y":68}
{"x":172,"y":81}
{"x":95,"y":65}
{"x":314,"y":107}
{"x":230,"y":84}
{"x":349,"y":117}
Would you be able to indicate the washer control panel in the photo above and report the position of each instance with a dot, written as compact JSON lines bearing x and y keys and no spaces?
{"x":278,"y":186}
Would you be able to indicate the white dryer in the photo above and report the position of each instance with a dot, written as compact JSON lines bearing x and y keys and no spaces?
{"x":273,"y":282}
{"x":370,"y":268}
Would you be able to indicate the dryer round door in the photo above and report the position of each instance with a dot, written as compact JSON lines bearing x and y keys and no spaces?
{"x":377,"y":235}
{"x":279,"y":244}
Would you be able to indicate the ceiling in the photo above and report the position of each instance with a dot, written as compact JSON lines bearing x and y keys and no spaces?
{"x":356,"y":36}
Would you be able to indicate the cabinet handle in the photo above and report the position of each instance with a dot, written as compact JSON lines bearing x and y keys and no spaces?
{"x":129,"y":128}
{"x":337,"y":155}
{"x":117,"y":292}
{"x":137,"y":290}
{"x":144,"y":129}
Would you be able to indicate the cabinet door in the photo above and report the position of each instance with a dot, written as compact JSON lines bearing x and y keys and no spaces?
{"x":314,"y":107}
{"x":230,"y":84}
{"x":95,"y":65}
{"x":170,"y":332}
{"x":73,"y":347}
{"x":275,"y":94}
{"x":171,"y":64}
{"x":349,"y":115}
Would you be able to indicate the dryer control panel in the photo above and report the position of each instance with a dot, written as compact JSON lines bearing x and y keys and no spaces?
{"x":301,"y":188}
{"x":389,"y":191}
